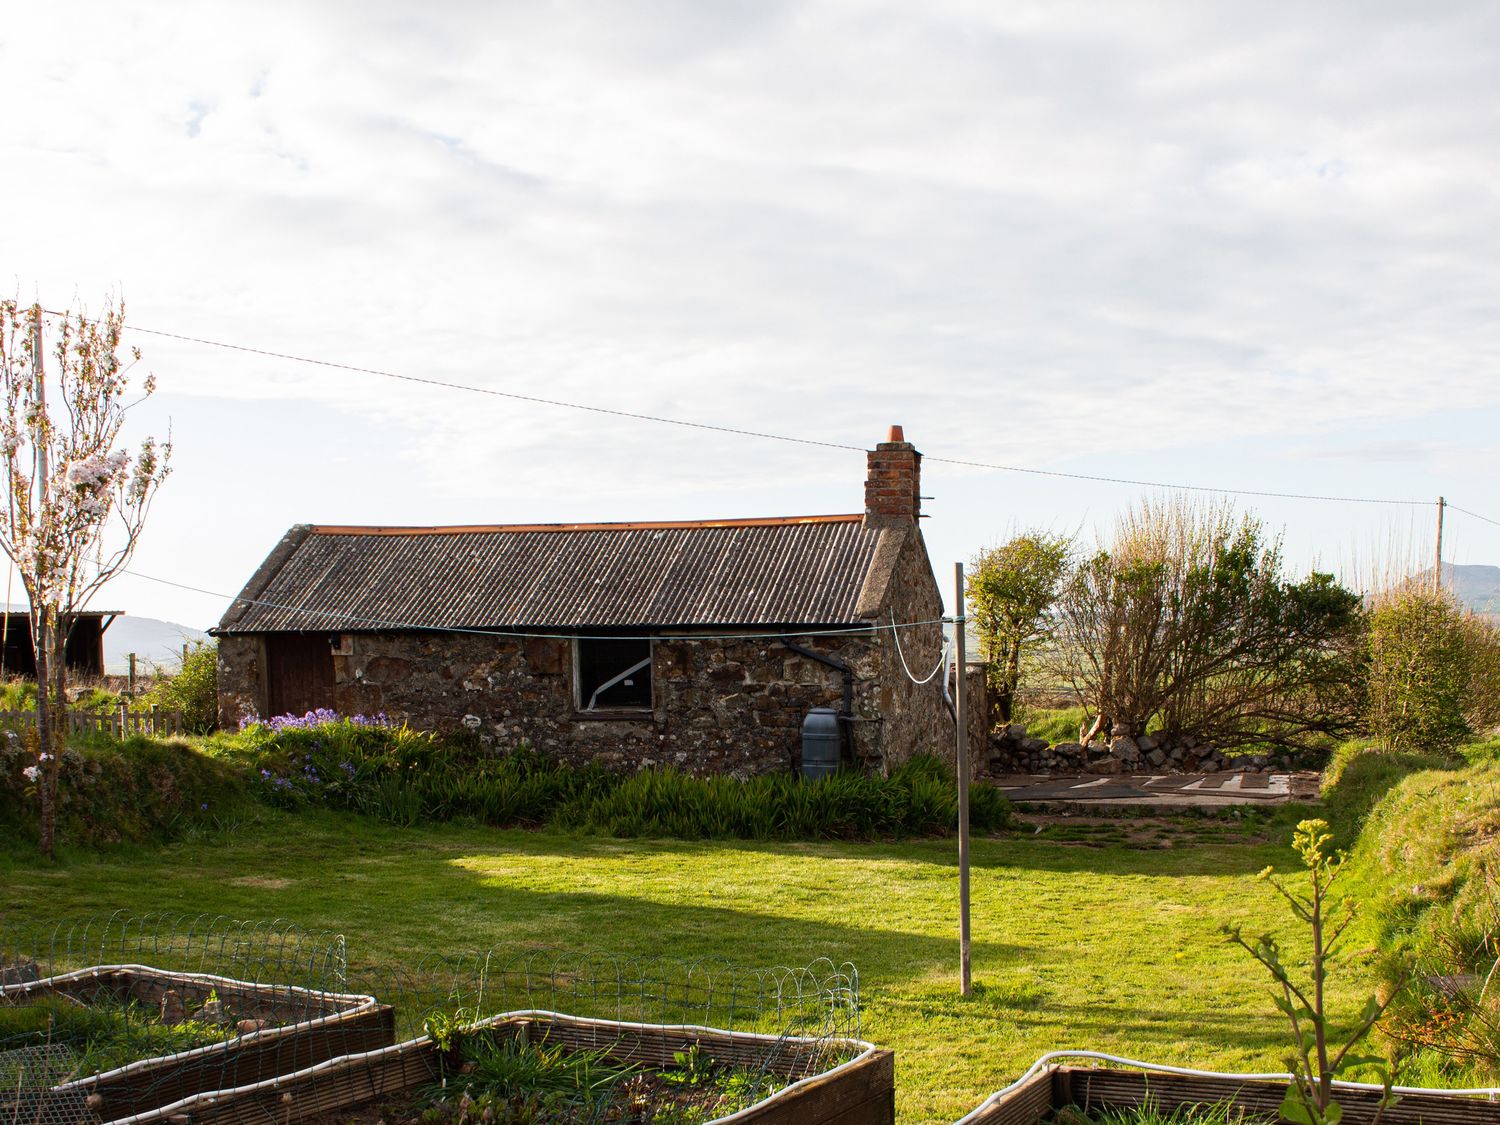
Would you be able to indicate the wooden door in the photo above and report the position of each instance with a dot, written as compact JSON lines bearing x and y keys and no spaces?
{"x":299,"y":673}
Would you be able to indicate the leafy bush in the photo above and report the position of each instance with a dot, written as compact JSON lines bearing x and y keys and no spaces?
{"x":1185,"y":619}
{"x":17,"y":694}
{"x":1010,"y":590}
{"x":194,"y":690}
{"x":1420,"y":663}
{"x":404,"y":776}
{"x":1482,"y":700}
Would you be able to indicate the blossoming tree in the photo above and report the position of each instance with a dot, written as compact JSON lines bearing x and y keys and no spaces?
{"x":75,"y":504}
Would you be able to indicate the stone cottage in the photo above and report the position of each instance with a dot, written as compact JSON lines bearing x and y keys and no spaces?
{"x":699,"y":644}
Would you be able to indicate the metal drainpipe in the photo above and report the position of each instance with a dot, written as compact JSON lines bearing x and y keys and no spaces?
{"x":846,"y":716}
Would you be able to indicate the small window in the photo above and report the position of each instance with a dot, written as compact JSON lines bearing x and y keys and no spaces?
{"x":614,"y":675}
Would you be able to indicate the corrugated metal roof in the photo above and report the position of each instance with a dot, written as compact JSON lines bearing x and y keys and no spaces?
{"x":806,"y":571}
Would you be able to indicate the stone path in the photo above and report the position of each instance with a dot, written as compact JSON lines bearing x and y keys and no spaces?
{"x":1177,"y":789}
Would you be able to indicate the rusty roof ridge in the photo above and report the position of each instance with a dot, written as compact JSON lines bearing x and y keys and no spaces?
{"x":647,"y":525}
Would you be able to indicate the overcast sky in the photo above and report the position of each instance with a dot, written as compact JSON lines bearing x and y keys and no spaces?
{"x":1251,"y":245}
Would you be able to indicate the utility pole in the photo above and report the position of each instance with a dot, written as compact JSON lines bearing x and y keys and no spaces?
{"x":960,"y":700}
{"x":1437,"y":570}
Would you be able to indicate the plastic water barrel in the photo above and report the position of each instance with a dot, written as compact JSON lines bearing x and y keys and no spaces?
{"x":820,"y":743}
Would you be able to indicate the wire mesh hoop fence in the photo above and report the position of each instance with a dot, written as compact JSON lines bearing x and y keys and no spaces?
{"x":274,"y":951}
{"x":141,"y":1018}
{"x":109,"y":1017}
{"x":819,"y":1000}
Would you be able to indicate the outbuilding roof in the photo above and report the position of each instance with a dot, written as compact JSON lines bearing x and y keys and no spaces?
{"x":799,"y":571}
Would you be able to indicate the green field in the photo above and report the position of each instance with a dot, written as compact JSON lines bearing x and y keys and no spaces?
{"x":1088,"y":938}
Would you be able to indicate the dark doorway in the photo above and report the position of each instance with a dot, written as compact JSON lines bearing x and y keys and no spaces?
{"x":85,"y":651}
{"x":299,"y":673}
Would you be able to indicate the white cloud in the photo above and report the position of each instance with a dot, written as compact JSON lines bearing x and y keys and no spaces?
{"x":1090,"y":236}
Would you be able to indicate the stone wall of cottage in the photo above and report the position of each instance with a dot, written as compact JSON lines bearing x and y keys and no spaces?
{"x":914,"y":719}
{"x":720,"y":706}
{"x":241,"y":691}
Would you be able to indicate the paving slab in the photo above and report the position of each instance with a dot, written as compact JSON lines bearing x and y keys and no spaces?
{"x":1202,"y":790}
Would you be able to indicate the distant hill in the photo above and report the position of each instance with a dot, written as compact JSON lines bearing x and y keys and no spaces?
{"x":1478,"y":587}
{"x":154,"y":642}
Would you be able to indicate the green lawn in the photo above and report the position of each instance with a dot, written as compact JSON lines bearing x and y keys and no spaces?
{"x":1108,"y":947}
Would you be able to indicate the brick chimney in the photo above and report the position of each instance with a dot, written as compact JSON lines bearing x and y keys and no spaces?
{"x":894,"y":484}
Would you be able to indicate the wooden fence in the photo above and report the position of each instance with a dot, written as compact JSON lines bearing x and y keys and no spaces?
{"x":121,"y":722}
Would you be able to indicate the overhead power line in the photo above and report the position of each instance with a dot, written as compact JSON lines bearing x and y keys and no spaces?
{"x":1455,"y":508}
{"x":1178,"y":487}
{"x":538,"y":399}
{"x":354,"y":622}
{"x":712,"y":427}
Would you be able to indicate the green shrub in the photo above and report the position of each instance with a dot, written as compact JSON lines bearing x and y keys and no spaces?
{"x":1482,"y":700}
{"x":404,"y":776}
{"x":194,"y":690}
{"x":17,"y":694}
{"x":1420,"y":660}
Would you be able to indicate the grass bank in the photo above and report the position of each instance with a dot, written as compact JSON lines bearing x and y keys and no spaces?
{"x":1424,"y":863}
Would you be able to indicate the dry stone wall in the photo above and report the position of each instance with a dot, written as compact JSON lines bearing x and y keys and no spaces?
{"x":1012,"y":751}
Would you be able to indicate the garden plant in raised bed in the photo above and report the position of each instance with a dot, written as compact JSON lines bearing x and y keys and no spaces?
{"x":514,"y":1080}
{"x":107,"y":1034}
{"x":1151,"y":1112}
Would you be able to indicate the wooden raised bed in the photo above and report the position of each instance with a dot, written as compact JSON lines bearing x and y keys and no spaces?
{"x":303,"y":1027}
{"x":861,"y":1091}
{"x":1038,"y":1095}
